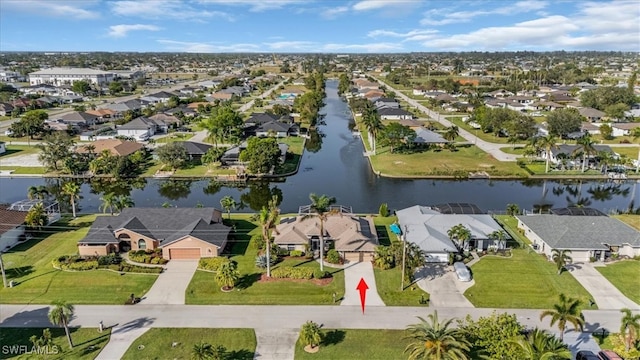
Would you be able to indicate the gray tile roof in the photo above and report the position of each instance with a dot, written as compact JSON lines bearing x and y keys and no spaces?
{"x":581,"y":232}
{"x":165,"y":225}
{"x":195,"y":148}
{"x":424,"y":136}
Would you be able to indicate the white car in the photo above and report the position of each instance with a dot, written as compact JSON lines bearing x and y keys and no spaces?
{"x":462,"y":271}
{"x":8,"y":133}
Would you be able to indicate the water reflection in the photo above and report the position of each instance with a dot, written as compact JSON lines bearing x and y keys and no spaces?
{"x":175,"y":189}
{"x":314,"y":141}
{"x":116,"y":186}
{"x":259,"y":195}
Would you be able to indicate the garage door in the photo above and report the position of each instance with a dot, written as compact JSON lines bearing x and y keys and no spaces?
{"x":183,"y":254}
{"x":437,"y":258}
{"x":353,"y":256}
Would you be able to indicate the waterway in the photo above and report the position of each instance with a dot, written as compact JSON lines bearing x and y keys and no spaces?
{"x":339,"y":169}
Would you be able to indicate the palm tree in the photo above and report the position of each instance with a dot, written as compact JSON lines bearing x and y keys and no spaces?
{"x":227,"y":275}
{"x":202,"y":351}
{"x":460,"y":234}
{"x":268,"y":218}
{"x":500,"y":236}
{"x":630,"y":327}
{"x":561,"y":258}
{"x":547,"y":143}
{"x":373,"y":124}
{"x":566,"y":311}
{"x":227,"y":204}
{"x":60,"y":314}
{"x":122,"y":201}
{"x":452,"y":133}
{"x":36,"y":216}
{"x":586,"y":148}
{"x":435,"y":340}
{"x":108,"y":202}
{"x":38,"y":192}
{"x":310,"y":334}
{"x":72,"y":190}
{"x":321,"y":208}
{"x":539,"y":345}
{"x":635,"y":134}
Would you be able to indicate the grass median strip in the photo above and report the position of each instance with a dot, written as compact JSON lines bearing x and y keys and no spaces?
{"x":367,"y":344}
{"x":88,"y":343}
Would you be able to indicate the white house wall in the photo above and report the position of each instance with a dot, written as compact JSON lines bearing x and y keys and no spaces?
{"x":10,"y":238}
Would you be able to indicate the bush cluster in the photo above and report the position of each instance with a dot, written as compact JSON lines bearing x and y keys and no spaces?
{"x":147,"y":256}
{"x":289,"y":272}
{"x":212,"y":263}
{"x":296,"y":253}
{"x":333,"y":257}
{"x":124,"y":267}
{"x":111,"y":262}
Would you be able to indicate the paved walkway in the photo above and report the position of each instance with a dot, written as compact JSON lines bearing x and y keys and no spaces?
{"x":443,"y":286}
{"x":275,"y":344}
{"x":172,"y":283}
{"x":121,"y":338}
{"x":603,"y":292}
{"x":352,"y":275}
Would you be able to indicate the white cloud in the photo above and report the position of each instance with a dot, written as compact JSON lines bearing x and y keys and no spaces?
{"x":369,"y":48}
{"x":413,"y":35}
{"x":366,"y":5}
{"x":68,"y":9}
{"x":292,"y":46}
{"x":444,"y":16}
{"x":123,"y":29}
{"x":157,"y":9}
{"x":257,"y":5}
{"x":197,"y":47}
{"x":332,"y":13}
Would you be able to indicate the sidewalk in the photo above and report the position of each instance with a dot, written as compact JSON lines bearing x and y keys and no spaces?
{"x":275,"y":344}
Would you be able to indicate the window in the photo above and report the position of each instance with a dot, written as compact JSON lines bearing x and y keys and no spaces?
{"x":291,"y":247}
{"x":142,"y":245}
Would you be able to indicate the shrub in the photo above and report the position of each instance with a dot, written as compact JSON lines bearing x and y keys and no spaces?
{"x":213,"y":263}
{"x":82,"y":265}
{"x":261,"y":260}
{"x":258,"y":241}
{"x":289,"y":272}
{"x":296,"y":253}
{"x":383,"y":210}
{"x":109,"y":259}
{"x":319,"y":274}
{"x":333,"y":257}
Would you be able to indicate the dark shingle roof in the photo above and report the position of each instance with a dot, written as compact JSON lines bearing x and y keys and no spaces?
{"x":165,"y":225}
{"x":194,"y":148}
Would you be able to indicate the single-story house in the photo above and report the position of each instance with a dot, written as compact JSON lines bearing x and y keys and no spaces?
{"x":568,"y":150}
{"x":386,"y":102}
{"x":354,"y":237}
{"x":5,"y":109}
{"x":159,"y":97}
{"x":593,"y":115}
{"x":428,"y":226}
{"x":167,"y":119}
{"x":623,"y":129}
{"x":194,"y":149}
{"x":116,"y":147}
{"x":425,"y":136}
{"x":586,"y":236}
{"x":394,"y":114}
{"x":181,"y":233}
{"x":142,"y":128}
{"x":79,"y":118}
{"x":11,"y":227}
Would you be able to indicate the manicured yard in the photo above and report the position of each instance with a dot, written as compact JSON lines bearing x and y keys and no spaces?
{"x":173,"y":137}
{"x":88,"y":342}
{"x":13,"y":150}
{"x":388,"y":283}
{"x":510,"y":224}
{"x":204,"y":290}
{"x":630,"y":152}
{"x":445,"y":162}
{"x":624,"y":276}
{"x":29,"y":264}
{"x":24,"y":170}
{"x":157,"y":343}
{"x":490,"y":137}
{"x":631,"y":220}
{"x":360,"y":344}
{"x":526,"y":280}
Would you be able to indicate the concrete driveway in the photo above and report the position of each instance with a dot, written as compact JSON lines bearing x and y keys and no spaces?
{"x":603,"y":292}
{"x":352,"y":275}
{"x":275,"y":344}
{"x":443,"y":286}
{"x":172,"y":283}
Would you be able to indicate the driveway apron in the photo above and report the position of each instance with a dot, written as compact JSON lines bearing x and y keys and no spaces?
{"x":275,"y":344}
{"x":121,"y":338}
{"x":172,"y":283}
{"x":603,"y":292}
{"x":443,"y":286}
{"x":352,"y":275}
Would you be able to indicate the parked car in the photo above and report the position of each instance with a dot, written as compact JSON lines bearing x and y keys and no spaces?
{"x":462,"y":271}
{"x":608,"y":355}
{"x":586,"y":355}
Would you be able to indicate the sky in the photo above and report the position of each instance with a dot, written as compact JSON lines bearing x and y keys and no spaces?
{"x":320,"y":26}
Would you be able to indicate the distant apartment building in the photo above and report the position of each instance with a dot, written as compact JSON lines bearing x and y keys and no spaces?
{"x":60,"y":76}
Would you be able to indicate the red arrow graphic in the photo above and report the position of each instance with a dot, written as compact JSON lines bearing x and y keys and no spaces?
{"x":362,"y":287}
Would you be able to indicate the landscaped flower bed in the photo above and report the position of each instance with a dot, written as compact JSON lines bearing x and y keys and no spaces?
{"x":109,"y":262}
{"x":147,"y":257}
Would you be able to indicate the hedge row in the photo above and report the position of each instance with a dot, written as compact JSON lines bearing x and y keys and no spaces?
{"x":147,"y":256}
{"x":77,"y":263}
{"x":289,"y":272}
{"x":212,"y":263}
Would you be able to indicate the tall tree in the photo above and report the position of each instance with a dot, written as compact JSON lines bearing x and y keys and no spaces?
{"x":490,"y":335}
{"x":263,"y":155}
{"x":268,"y":218}
{"x":173,"y":154}
{"x":228,"y":203}
{"x":36,"y":216}
{"x":227,"y":275}
{"x":564,"y":121}
{"x":60,"y":314}
{"x":310,"y":334}
{"x":500,"y":236}
{"x":561,"y":258}
{"x":548,"y":143}
{"x":121,"y":202}
{"x":461,"y":235}
{"x":433,"y":339}
{"x":321,"y":208}
{"x":539,"y":345}
{"x":38,"y":192}
{"x":72,"y":190}
{"x":395,"y":135}
{"x":629,"y":327}
{"x":108,"y":202}
{"x":81,"y":87}
{"x":586,"y":148}
{"x":55,"y":150}
{"x":567,"y":310}
{"x":373,"y":124}
{"x":451,"y":133}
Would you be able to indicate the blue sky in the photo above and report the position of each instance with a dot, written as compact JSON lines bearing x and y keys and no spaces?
{"x":366,"y":26}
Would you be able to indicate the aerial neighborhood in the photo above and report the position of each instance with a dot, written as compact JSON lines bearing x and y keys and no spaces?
{"x":319,"y":204}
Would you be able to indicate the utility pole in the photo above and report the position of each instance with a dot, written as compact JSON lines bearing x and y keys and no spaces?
{"x":4,"y":276}
{"x":404,"y":255}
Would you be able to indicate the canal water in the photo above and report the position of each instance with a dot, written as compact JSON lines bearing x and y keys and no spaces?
{"x":339,"y":169}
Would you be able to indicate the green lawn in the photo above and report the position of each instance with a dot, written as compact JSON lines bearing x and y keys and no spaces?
{"x":157,"y":343}
{"x":24,"y":170}
{"x":444,"y":163}
{"x":173,"y":137}
{"x":88,"y":342}
{"x":510,"y":224}
{"x":13,"y":150}
{"x":539,"y":167}
{"x":517,"y":150}
{"x":479,"y":133}
{"x":29,"y":264}
{"x":358,"y":344}
{"x":629,"y":219}
{"x":204,"y":290}
{"x":630,"y":152}
{"x":524,"y":281}
{"x":624,"y":276}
